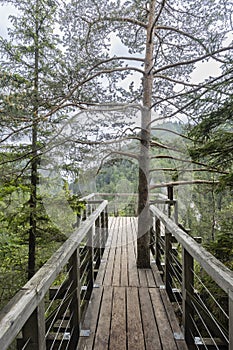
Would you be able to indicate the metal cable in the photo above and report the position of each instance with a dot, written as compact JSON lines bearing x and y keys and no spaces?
{"x":56,"y":335}
{"x":177,"y":301}
{"x":199,"y":334}
{"x":204,"y":324}
{"x":208,"y":291}
{"x":212,"y":317}
{"x":58,"y":290}
{"x":66,"y":296}
{"x":26,"y":344}
{"x":179,"y":278}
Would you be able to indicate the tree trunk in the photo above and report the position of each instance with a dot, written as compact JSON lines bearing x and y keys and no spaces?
{"x":143,"y":240}
{"x":33,"y":205}
{"x":34,"y":161}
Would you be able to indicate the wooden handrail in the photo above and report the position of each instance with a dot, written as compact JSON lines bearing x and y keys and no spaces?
{"x":191,"y":251}
{"x":218,"y":271}
{"x":21,"y":307}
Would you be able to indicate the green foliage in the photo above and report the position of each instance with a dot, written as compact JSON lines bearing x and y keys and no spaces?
{"x":222,"y":246}
{"x":214,"y":141}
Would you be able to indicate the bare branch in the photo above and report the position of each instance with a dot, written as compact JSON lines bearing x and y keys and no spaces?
{"x":183,"y":170}
{"x":160,"y":145}
{"x":157,"y":18}
{"x":126,"y":154}
{"x":194,"y":60}
{"x":188,"y":182}
{"x":207,"y":87}
{"x":175,"y":80}
{"x":185,"y":161}
{"x":173,"y":132}
{"x":176,"y":30}
{"x":125,"y":58}
{"x":116,"y":19}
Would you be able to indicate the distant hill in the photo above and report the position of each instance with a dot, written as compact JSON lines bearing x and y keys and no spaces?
{"x":162,"y":130}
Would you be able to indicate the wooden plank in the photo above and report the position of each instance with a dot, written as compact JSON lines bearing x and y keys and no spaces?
{"x":165,"y":331}
{"x":103,"y":328}
{"x":102,"y":269}
{"x":117,"y":260}
{"x":134,"y":323}
{"x":150,"y":278}
{"x":150,"y":330}
{"x":124,"y":260}
{"x":118,"y":322}
{"x":181,"y":344}
{"x":157,"y":275}
{"x":111,"y":257}
{"x":91,"y":319}
{"x":132,"y":268}
{"x":142,"y":277}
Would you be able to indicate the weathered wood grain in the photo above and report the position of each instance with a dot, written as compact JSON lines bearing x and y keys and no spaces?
{"x":135,"y":335}
{"x":150,"y":330}
{"x":118,"y":320}
{"x":104,"y":321}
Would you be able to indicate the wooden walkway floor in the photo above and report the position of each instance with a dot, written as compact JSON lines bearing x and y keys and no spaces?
{"x":129,"y":309}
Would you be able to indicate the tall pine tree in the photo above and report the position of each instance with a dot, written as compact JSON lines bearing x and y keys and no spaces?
{"x":30,"y":62}
{"x":161,"y":41}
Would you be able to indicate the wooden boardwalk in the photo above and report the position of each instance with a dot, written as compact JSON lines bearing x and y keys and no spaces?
{"x":129,"y":308}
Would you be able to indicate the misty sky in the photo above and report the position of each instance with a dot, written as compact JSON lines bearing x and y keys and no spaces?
{"x":203,"y":70}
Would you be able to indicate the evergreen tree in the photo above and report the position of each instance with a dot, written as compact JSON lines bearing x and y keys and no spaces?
{"x":214,"y":141}
{"x":167,"y":38}
{"x":30,"y":61}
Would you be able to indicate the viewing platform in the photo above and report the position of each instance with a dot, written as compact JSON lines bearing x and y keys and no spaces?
{"x":129,"y":307}
{"x":90,"y":295}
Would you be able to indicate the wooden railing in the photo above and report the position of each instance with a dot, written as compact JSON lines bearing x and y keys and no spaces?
{"x":127,"y":203}
{"x":48,"y":311}
{"x":198,"y":284}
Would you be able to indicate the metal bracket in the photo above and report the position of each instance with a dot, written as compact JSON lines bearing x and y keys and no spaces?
{"x":178,"y":336}
{"x":85,"y":333}
{"x":96,"y":286}
{"x":198,"y":341}
{"x":162,"y":286}
{"x":84,"y":288}
{"x":66,"y":336}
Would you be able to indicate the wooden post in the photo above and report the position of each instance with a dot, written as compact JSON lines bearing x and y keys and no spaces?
{"x":98,"y":242}
{"x":152,"y":238}
{"x":187,"y":293}
{"x":34,"y":330}
{"x":230,"y":319}
{"x":74,"y":277}
{"x":170,"y":197}
{"x":90,"y":262}
{"x":106,"y":225}
{"x":176,"y":218}
{"x":102,"y":233}
{"x":157,"y":245}
{"x":168,"y":262}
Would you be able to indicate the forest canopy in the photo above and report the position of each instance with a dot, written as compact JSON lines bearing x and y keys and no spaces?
{"x":91,"y":90}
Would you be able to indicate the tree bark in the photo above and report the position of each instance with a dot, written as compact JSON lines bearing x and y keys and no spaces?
{"x":34,"y":161}
{"x":143,"y":240}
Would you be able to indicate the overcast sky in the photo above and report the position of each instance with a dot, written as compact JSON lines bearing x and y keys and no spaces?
{"x":202,"y":71}
{"x":5,"y":11}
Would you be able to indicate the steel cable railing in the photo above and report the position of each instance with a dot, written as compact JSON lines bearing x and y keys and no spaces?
{"x":57,"y":326}
{"x":183,"y":261}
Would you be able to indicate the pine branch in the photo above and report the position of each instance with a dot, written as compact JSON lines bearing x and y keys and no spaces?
{"x":194,"y":60}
